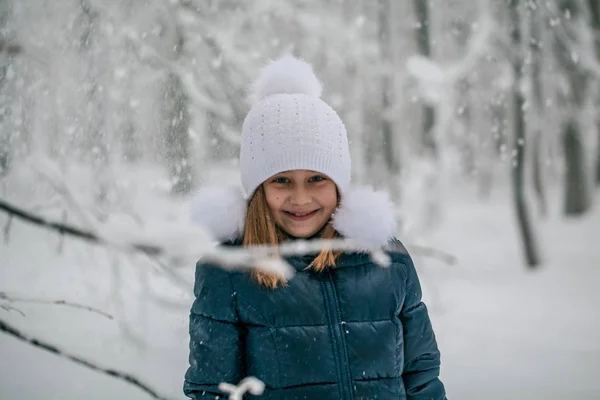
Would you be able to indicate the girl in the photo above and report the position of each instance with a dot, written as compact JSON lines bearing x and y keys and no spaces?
{"x":343,"y":327}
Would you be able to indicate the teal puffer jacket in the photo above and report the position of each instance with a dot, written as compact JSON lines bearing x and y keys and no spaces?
{"x":356,"y":331}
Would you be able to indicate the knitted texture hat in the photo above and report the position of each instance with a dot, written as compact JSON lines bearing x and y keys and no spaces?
{"x":289,"y":127}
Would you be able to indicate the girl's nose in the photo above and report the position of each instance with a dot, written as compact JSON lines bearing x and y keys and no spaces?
{"x":300,"y":197}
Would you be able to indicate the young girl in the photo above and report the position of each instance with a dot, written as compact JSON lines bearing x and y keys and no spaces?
{"x":343,"y":327}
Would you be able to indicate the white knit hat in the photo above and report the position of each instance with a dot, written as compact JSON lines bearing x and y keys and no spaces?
{"x":289,"y":127}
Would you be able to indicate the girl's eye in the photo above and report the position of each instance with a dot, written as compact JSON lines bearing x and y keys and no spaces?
{"x":281,"y":180}
{"x":316,"y":178}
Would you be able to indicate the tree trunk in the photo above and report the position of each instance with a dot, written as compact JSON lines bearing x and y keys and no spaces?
{"x":538,"y":171}
{"x":428,"y":141}
{"x":537,"y":94}
{"x":578,"y":100}
{"x":518,"y":171}
{"x":355,"y":118}
{"x":5,"y":145}
{"x":123,"y":86}
{"x":598,"y":159}
{"x":175,"y":132}
{"x":176,"y":135}
{"x":594,"y":6}
{"x":90,"y":47}
{"x":390,"y":157}
{"x":5,"y":103}
{"x":578,"y":198}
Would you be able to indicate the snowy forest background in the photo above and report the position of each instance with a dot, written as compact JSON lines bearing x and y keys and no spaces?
{"x":480,"y":117}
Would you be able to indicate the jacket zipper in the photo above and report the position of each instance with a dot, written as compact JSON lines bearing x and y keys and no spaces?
{"x":338,"y":337}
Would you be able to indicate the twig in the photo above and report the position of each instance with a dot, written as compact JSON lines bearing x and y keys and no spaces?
{"x":50,"y":171}
{"x":11,"y":308}
{"x":433,"y":253}
{"x":7,"y":229}
{"x":14,"y":299}
{"x":12,"y":331}
{"x":116,"y":295}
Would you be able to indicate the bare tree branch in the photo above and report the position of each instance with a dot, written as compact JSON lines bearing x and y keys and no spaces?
{"x":16,"y":333}
{"x":6,"y":229}
{"x":150,"y":250}
{"x":12,"y":299}
{"x":11,"y":308}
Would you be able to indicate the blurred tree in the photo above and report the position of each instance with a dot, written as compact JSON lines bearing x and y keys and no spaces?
{"x":571,"y":40}
{"x":594,"y":7}
{"x":387,"y":145}
{"x":122,"y":87}
{"x":530,"y":245}
{"x":428,"y":141}
{"x":16,"y":103}
{"x":92,"y":50}
{"x":536,"y":91}
{"x":175,"y":120}
{"x":5,"y":55}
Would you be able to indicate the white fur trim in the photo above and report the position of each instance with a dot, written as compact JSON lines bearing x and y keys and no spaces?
{"x":288,"y":75}
{"x":365,"y":216}
{"x":221,"y":210}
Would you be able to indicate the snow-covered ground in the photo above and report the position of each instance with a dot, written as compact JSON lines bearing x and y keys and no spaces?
{"x":505,"y":332}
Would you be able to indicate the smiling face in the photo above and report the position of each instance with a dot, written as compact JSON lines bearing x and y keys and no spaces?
{"x":301,"y":201}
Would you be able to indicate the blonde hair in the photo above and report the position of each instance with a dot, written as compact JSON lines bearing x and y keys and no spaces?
{"x":260,"y":229}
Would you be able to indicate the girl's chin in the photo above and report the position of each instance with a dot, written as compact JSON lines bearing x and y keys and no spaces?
{"x":302,"y":232}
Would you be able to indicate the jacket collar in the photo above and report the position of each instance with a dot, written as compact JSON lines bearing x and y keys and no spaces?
{"x":364,"y":215}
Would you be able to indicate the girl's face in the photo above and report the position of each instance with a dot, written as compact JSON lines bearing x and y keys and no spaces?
{"x":301,"y":201}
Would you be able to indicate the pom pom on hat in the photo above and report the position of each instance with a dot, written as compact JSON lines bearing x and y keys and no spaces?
{"x":289,"y":75}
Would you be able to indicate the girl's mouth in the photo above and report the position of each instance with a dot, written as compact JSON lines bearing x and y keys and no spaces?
{"x":300,"y":216}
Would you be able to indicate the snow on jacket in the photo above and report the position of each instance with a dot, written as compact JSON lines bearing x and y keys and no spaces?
{"x":356,"y":331}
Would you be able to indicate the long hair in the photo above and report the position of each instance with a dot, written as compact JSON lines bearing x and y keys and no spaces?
{"x":260,"y":229}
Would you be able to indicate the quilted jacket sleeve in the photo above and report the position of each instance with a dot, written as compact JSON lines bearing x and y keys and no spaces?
{"x":216,"y":339}
{"x":421,"y":355}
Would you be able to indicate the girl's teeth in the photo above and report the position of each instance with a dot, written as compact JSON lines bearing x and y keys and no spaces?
{"x":300,"y":215}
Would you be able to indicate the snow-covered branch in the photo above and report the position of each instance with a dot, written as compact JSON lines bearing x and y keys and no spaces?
{"x":247,"y":385}
{"x":146,"y":52}
{"x":41,"y":344}
{"x":578,"y":39}
{"x":435,"y":78}
{"x":73,"y":231}
{"x":267,"y":258}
